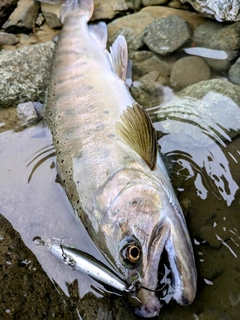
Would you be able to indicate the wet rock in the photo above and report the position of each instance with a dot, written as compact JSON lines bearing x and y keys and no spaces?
{"x":158,"y":12}
{"x":225,"y":38}
{"x":153,"y":2}
{"x":222,"y":88}
{"x":7,"y":39}
{"x":144,"y":62}
{"x":221,"y":10}
{"x":142,"y":97}
{"x":6,"y":8}
{"x":132,"y":27}
{"x":107,"y":9}
{"x":52,"y":15}
{"x":188,"y":71}
{"x":27,"y":113}
{"x":23,"y":18}
{"x":148,"y":90}
{"x":166,"y":35}
{"x":234,"y":72}
{"x":24,"y":74}
{"x":215,"y":104}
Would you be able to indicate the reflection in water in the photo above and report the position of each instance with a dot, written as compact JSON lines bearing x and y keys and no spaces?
{"x":194,"y":131}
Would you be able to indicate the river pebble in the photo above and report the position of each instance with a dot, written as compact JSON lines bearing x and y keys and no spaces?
{"x":27,"y":113}
{"x":144,"y":62}
{"x":187,"y":71}
{"x":132,"y":27}
{"x":8,"y":39}
{"x":166,"y":35}
{"x":52,"y":15}
{"x":234,"y":72}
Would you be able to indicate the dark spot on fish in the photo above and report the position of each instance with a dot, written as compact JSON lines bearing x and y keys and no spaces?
{"x":52,"y":166}
{"x":58,"y":142}
{"x":105,"y":111}
{"x":62,"y":161}
{"x":111,"y":135}
{"x":100,"y":127}
{"x":59,"y":152}
{"x":64,"y":181}
{"x":77,"y":181}
{"x":78,"y":202}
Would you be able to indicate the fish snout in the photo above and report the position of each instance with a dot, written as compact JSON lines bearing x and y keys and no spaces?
{"x":148,"y":310}
{"x":149,"y":305}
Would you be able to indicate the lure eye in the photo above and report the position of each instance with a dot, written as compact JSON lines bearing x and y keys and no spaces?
{"x":130,"y":251}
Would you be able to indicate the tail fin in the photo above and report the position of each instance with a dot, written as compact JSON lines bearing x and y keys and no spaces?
{"x":84,"y":7}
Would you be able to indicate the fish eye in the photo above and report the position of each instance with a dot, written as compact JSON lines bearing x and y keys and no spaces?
{"x":130,"y":251}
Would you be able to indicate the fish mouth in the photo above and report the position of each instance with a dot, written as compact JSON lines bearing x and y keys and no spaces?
{"x":169,"y":271}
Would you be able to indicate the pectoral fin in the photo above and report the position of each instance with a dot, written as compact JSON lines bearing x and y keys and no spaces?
{"x":137,"y":131}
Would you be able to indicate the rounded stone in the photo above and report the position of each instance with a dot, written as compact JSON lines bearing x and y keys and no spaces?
{"x":188,"y":71}
{"x":8,"y":39}
{"x":234,"y":72}
{"x":166,"y":35}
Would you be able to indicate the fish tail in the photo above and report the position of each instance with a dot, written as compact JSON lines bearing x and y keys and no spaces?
{"x":81,"y":7}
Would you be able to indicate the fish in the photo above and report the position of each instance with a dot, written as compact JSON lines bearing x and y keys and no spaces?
{"x":109,"y":163}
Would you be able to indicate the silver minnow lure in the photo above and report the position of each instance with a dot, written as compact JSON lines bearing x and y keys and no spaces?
{"x":84,"y":262}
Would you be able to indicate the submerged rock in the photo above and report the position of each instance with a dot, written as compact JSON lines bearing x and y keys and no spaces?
{"x":188,"y":71}
{"x":24,"y":74}
{"x":166,"y":35}
{"x":221,"y":10}
{"x":217,"y":36}
{"x":212,"y":100}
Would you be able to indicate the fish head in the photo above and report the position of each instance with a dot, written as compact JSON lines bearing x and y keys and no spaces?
{"x":147,"y":238}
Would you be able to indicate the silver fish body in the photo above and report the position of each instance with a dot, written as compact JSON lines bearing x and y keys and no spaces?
{"x":109,"y":164}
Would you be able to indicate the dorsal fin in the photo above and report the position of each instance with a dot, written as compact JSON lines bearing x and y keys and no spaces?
{"x":99,"y":33}
{"x":137,"y":131}
{"x":119,"y":57}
